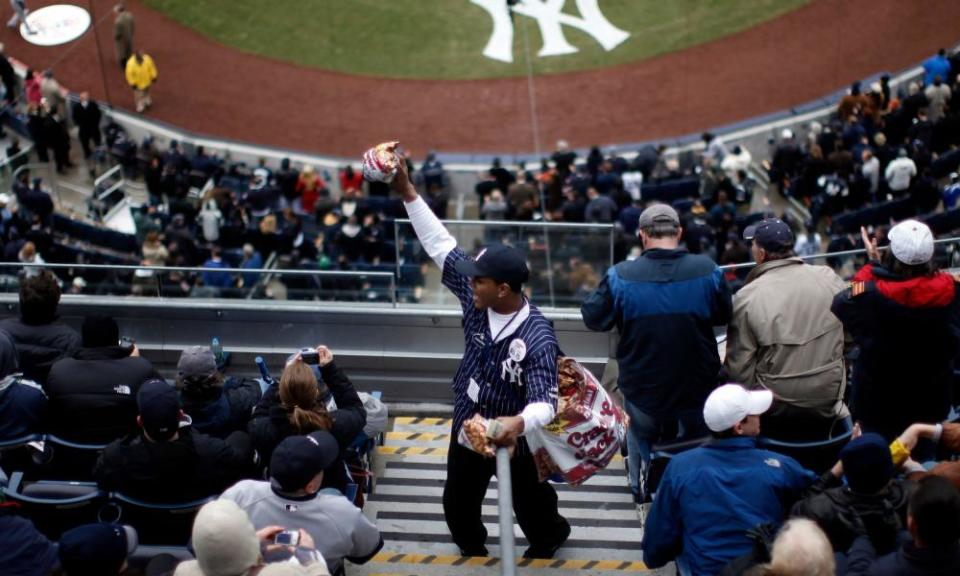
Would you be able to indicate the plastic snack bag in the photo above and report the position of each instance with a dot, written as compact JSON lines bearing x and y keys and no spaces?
{"x":380,"y":162}
{"x":473,"y":435}
{"x":585,"y":435}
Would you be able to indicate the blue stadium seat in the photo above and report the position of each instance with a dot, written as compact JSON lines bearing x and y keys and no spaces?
{"x":660,"y":456}
{"x":818,"y":456}
{"x":156,"y":523}
{"x":55,"y":506}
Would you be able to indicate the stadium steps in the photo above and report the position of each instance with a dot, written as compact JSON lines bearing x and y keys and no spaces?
{"x":406,"y":505}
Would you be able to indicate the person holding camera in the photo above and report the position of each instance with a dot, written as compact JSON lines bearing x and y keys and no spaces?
{"x":298,"y":405}
{"x":93,"y":393}
{"x":225,"y":542}
{"x":219,"y":405}
{"x":293,"y":497}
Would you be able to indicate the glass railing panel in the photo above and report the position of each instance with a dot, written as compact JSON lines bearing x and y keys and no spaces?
{"x":566,"y":261}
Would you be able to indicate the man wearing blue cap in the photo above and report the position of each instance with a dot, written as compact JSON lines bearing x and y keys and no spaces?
{"x":169,"y":461}
{"x":508,"y":373}
{"x":872,"y":502}
{"x":784,"y":337}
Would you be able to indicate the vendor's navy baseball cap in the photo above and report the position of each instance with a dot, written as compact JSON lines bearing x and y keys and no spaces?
{"x":770,"y":234}
{"x":499,"y":262}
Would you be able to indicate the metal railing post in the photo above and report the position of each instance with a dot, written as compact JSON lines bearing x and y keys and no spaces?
{"x":508,"y":552}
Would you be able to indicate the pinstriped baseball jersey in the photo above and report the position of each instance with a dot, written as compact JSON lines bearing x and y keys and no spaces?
{"x":509,"y":374}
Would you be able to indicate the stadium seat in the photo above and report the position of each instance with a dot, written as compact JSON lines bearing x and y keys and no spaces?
{"x":818,"y":456}
{"x":63,"y":459}
{"x":55,"y":505}
{"x":17,"y":454}
{"x":660,"y":456}
{"x":156,"y":523}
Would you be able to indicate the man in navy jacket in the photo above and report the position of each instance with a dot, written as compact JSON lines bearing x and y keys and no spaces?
{"x":664,"y":305}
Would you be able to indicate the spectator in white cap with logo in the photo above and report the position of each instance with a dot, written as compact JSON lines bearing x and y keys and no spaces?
{"x":784,"y":338}
{"x":904,"y":316}
{"x":709,"y":497}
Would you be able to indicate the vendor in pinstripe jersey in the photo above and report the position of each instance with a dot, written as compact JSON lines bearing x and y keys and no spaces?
{"x":508,"y":372}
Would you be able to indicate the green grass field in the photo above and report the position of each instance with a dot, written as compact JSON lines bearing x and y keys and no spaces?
{"x":445,"y":38}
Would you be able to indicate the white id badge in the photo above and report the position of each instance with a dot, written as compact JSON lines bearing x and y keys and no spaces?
{"x":473,"y":391}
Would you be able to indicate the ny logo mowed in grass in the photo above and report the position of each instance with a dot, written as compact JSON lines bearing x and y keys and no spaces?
{"x":551,"y":19}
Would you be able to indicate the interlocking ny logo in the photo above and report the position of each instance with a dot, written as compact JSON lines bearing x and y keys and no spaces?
{"x":551,"y":19}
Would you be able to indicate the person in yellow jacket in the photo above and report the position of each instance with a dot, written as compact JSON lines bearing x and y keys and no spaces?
{"x":141,"y":74}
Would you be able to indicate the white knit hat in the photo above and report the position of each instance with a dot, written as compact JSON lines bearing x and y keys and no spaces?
{"x":224,"y":540}
{"x":911,"y":242}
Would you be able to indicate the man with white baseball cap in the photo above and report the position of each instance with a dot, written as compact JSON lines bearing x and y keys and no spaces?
{"x":905,"y":317}
{"x":709,"y":497}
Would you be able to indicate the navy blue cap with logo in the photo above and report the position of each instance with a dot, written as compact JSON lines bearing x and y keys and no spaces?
{"x":298,"y":459}
{"x":499,"y":262}
{"x":159,"y":406}
{"x":770,"y":234}
{"x":96,"y":548}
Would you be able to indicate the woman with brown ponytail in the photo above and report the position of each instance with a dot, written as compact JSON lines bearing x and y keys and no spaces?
{"x":297,"y":405}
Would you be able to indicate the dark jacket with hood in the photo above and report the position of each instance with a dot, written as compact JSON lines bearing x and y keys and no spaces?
{"x":40,"y":345}
{"x":221,"y":410}
{"x":93,"y":394}
{"x":844,"y":514}
{"x":23,"y":405}
{"x":908,"y":331}
{"x":271,"y":424}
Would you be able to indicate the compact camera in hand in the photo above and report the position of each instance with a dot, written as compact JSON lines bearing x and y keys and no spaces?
{"x":310,"y":356}
{"x":287,"y":538}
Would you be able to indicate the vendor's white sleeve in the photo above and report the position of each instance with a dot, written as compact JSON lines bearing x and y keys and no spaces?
{"x":536,"y":415}
{"x":436,"y":240}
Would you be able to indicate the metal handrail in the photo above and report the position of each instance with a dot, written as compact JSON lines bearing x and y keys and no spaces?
{"x":132,"y":267}
{"x":518,"y":224}
{"x":854,"y":252}
{"x":505,"y":503}
{"x":322,"y":273}
{"x":107,"y":176}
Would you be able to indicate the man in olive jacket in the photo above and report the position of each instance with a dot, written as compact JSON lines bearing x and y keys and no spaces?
{"x":784,"y":337}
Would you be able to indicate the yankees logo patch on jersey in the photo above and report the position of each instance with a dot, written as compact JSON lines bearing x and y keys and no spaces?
{"x":511,"y":371}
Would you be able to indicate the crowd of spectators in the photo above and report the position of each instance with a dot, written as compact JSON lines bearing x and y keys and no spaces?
{"x":885,"y":146}
{"x":205,"y":435}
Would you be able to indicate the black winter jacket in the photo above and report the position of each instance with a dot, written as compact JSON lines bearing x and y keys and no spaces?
{"x":93,"y":394}
{"x":40,"y":345}
{"x":270,"y":424}
{"x":191,"y":467}
{"x":844,"y":515}
{"x":908,"y":560}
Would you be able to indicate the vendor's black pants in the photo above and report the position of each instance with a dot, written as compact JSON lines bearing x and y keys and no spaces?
{"x":534,"y":503}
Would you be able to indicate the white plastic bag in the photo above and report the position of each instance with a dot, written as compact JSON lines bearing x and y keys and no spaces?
{"x":585,"y":435}
{"x":376,"y":415}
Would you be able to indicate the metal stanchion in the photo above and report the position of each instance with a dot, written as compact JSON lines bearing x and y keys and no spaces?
{"x":505,"y":501}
